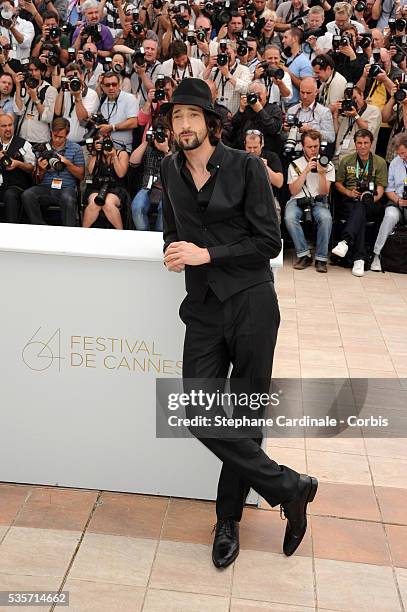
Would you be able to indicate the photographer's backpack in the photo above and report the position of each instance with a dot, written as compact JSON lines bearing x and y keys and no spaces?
{"x":394,"y":253}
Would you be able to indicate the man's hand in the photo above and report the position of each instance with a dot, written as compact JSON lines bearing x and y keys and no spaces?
{"x":243,"y":103}
{"x":43,"y":164}
{"x":312,"y":165}
{"x":15,"y":164}
{"x":182,"y":253}
{"x":32,"y":93}
{"x":353,"y":193}
{"x":105,"y":129}
{"x":402,"y":202}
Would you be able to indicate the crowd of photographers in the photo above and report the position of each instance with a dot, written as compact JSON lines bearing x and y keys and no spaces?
{"x":317,"y":90}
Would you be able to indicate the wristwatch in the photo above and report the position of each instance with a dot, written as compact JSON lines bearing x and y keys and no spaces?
{"x":357,"y":116}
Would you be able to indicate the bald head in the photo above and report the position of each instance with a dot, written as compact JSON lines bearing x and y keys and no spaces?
{"x":308,"y":91}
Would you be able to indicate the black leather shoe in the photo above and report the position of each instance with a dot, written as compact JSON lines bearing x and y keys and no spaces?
{"x":295,"y":511}
{"x":320,"y":266}
{"x":226,"y":543}
{"x":303,"y":262}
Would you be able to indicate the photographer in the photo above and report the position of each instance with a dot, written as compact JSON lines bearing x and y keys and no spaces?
{"x":154,"y":16}
{"x":178,"y":24}
{"x":108,"y":168}
{"x":347,"y":61}
{"x":152,"y":104}
{"x":51,"y":34}
{"x":251,"y":59}
{"x":17,"y":162}
{"x":231,"y":78}
{"x":395,"y":113}
{"x":332,"y":83}
{"x":133,"y":34}
{"x":19,"y":32}
{"x":268,"y":36}
{"x":297,"y":63}
{"x":309,"y":180}
{"x":310,"y":114}
{"x":143,"y":77}
{"x":288,"y":12}
{"x":396,"y":193}
{"x":180,"y":66}
{"x":253,"y":143}
{"x":6,"y":99}
{"x":316,"y":39}
{"x":87,"y":58}
{"x":347,"y":122}
{"x":232,"y":28}
{"x":343,"y":13}
{"x":59,"y":169}
{"x":75,"y":102}
{"x":120,"y":110}
{"x":361,"y":179}
{"x":276,"y":79}
{"x":92,"y":30}
{"x":202,"y":46}
{"x":256,"y":113}
{"x":150,"y":155}
{"x":34,"y":103}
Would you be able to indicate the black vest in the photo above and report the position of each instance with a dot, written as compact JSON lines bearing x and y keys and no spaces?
{"x":17,"y":177}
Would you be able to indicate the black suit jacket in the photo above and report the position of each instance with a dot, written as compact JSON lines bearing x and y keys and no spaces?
{"x":239,"y":226}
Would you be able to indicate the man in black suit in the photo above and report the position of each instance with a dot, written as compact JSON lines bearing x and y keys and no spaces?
{"x":220,"y":225}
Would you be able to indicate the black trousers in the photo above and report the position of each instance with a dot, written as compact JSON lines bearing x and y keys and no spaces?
{"x":241,"y":331}
{"x":354,"y":232}
{"x":42,"y":196}
{"x":11,"y":196}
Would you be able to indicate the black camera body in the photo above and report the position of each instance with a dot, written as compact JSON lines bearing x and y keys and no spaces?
{"x":94,"y":31}
{"x":306,"y":205}
{"x":139,"y":57}
{"x":401,"y":93}
{"x":53,"y":33}
{"x":375,"y":70}
{"x":201,"y":35}
{"x":252,"y":98}
{"x":222,"y":57}
{"x":293,"y":121}
{"x":242,"y":48}
{"x":271,"y":71}
{"x":365,"y":40}
{"x":367,"y":191}
{"x":88,"y":56}
{"x":107,"y":144}
{"x":157,"y":135}
{"x":159,"y":87}
{"x":5,"y":161}
{"x":360,"y":6}
{"x":31,"y":81}
{"x":53,"y":159}
{"x":104,"y":182}
{"x":92,"y":126}
{"x":347,"y":105}
{"x":137,"y":28}
{"x":323,"y":158}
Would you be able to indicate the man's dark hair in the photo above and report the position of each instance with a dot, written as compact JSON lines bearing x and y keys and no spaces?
{"x":73,"y":67}
{"x":313,"y":134}
{"x":177,"y":49}
{"x":296,"y":33}
{"x":110,"y":74}
{"x":48,"y":15}
{"x":363,"y":134}
{"x":323,"y":61}
{"x":34,"y":61}
{"x":60,"y":123}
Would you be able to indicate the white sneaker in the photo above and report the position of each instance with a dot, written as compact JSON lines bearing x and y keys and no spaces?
{"x":376,"y":265}
{"x":358,"y":267}
{"x":341,"y":248}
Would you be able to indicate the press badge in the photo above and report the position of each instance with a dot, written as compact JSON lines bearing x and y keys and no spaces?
{"x":151,"y":180}
{"x":56,"y":183}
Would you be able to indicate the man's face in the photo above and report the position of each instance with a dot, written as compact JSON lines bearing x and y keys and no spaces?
{"x":235,"y":25}
{"x":378,"y":39}
{"x":308,"y":93}
{"x":287,"y":40}
{"x":253,"y":144}
{"x":58,"y":138}
{"x":269,"y":25}
{"x":181,"y":61}
{"x":204,"y":24}
{"x":110,"y":86}
{"x":259,"y":5}
{"x":272,"y":57}
{"x":231,"y":55}
{"x":169,"y":90}
{"x":363,"y":146}
{"x":6,"y":85}
{"x":358,"y":98}
{"x":92,"y":16}
{"x":50,"y":22}
{"x":150,"y":48}
{"x":189,"y":127}
{"x":6,"y":127}
{"x":315,"y":21}
{"x":35,"y":72}
{"x":322,"y":74}
{"x":402,"y":152}
{"x":341,"y":19}
{"x":310,"y":147}
{"x":297,"y":4}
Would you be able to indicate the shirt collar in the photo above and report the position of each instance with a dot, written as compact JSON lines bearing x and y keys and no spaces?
{"x":214,"y":161}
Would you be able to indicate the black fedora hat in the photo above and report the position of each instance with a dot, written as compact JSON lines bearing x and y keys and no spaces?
{"x":191,"y":91}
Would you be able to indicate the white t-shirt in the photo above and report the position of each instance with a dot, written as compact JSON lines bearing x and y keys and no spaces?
{"x":312,"y":181}
{"x":274,"y":92}
{"x":124,"y":107}
{"x":90,"y":102}
{"x":333,"y":28}
{"x":195,"y":69}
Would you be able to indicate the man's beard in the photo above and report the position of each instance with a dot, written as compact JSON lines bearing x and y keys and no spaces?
{"x":193,"y":142}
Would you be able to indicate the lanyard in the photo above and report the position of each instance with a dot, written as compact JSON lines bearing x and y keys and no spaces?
{"x":140,"y":82}
{"x":114,"y":107}
{"x":364,"y":169}
{"x":224,"y":80}
{"x":325,"y":91}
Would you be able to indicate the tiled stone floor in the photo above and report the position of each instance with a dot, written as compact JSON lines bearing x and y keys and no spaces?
{"x":121,"y":552}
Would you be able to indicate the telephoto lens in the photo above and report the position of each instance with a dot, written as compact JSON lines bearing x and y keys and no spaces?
{"x":100,"y":198}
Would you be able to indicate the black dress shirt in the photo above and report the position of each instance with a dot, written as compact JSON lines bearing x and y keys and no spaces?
{"x":233,"y":216}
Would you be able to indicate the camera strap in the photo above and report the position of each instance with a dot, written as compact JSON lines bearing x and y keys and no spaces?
{"x":41,"y":96}
{"x":305,"y":186}
{"x":366,"y":169}
{"x":175,"y":70}
{"x":223,"y":80}
{"x":351,"y":123}
{"x":140,"y":82}
{"x":323,"y":96}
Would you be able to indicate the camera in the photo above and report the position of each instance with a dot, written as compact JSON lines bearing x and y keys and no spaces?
{"x":71,"y":54}
{"x":107,"y":64}
{"x":222,"y":58}
{"x":117,"y":68}
{"x":347,"y":105}
{"x":271,"y":71}
{"x":367,"y":191}
{"x":137,"y":27}
{"x":6,"y":18}
{"x":5,"y":161}
{"x":360,"y":6}
{"x":209,"y":7}
{"x":250,"y":8}
{"x":252,"y":98}
{"x":293,"y":121}
{"x":52,"y":157}
{"x":94,"y":31}
{"x":31,"y":81}
{"x":92,"y":126}
{"x":336,"y":42}
{"x":365,"y":40}
{"x":201,"y":35}
{"x":345,"y":41}
{"x":181,"y":21}
{"x":88,"y":56}
{"x":400,"y":43}
{"x":315,"y":33}
{"x":74,"y":84}
{"x":306,"y":205}
{"x":255,"y":27}
{"x":158,"y":134}
{"x":242,"y":48}
{"x":392,"y":25}
{"x":322,"y":158}
{"x":159,"y":87}
{"x":348,"y":91}
{"x":53,"y":57}
{"x":404,"y":194}
{"x":139,"y":57}
{"x":374,"y":70}
{"x":158,"y":4}
{"x":191,"y":35}
{"x":107,"y":144}
{"x":53,"y":33}
{"x":401,"y":25}
{"x":225,"y":14}
{"x":401,"y":93}
{"x":100,"y":197}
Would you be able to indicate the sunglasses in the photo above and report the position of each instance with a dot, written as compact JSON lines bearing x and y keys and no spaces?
{"x":253,"y":133}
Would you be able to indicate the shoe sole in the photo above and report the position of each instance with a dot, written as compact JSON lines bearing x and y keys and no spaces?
{"x":311,"y":495}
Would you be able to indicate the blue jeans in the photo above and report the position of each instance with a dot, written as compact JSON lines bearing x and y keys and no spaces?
{"x":139,"y":211}
{"x":322,"y":216}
